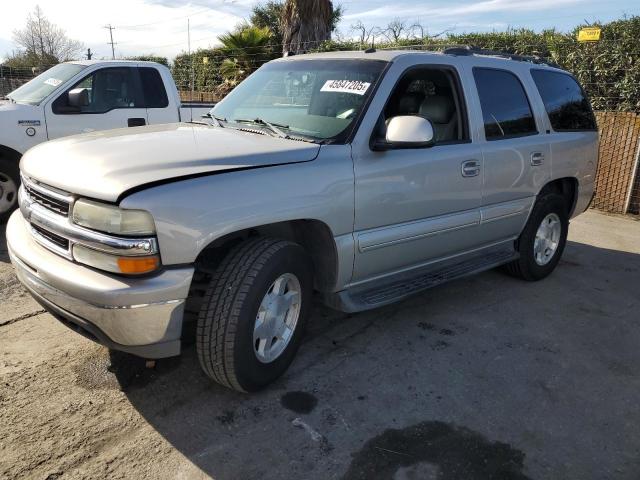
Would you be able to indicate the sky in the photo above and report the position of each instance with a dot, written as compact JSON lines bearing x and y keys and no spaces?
{"x":159,"y":27}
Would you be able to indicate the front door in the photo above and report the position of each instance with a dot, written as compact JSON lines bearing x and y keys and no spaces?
{"x":115,"y":100}
{"x":419,"y":205}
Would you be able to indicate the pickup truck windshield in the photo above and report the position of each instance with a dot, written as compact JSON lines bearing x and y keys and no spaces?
{"x":36,"y":90}
{"x":319,"y":99}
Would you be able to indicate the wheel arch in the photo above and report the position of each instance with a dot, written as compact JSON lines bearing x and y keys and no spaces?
{"x":315,"y":236}
{"x":9,"y":153}
{"x":565,"y":186}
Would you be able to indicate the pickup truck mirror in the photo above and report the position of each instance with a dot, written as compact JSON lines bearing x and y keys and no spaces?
{"x":407,"y":131}
{"x":78,"y":97}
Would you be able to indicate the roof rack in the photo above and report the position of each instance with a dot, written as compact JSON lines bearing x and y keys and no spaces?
{"x":466,"y":50}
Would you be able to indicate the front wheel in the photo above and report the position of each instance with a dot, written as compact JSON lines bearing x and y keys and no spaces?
{"x":543,"y":239}
{"x":253,"y":314}
{"x":9,"y":183}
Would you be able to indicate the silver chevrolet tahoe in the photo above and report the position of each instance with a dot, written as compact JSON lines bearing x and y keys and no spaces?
{"x":363,"y":176}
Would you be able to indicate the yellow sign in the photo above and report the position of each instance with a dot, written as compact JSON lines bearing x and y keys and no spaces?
{"x":589,"y":34}
{"x":205,"y":59}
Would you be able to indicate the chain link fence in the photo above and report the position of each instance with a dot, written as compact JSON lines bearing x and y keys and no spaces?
{"x":618,"y":176}
{"x":12,"y":78}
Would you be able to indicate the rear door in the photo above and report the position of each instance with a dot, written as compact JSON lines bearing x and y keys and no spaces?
{"x":160,"y":107}
{"x":574,"y":133}
{"x":115,"y":101}
{"x":515,"y":150}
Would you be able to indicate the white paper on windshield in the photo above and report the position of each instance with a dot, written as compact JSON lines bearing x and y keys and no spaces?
{"x":54,"y":82}
{"x":345,"y":86}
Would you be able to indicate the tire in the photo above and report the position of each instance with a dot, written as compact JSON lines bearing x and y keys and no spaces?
{"x":227,"y":349}
{"x":547,"y":208}
{"x":9,"y":183}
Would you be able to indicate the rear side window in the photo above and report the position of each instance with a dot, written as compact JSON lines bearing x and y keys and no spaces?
{"x":155,"y":95}
{"x":505,"y":108}
{"x":564,"y":100}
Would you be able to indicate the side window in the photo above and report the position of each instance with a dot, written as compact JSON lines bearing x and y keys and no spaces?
{"x":505,"y":108}
{"x":564,"y":100}
{"x":155,"y":95}
{"x":107,"y":89}
{"x":433,"y":94}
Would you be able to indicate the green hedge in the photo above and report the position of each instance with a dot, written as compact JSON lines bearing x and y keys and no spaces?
{"x":609,"y":69}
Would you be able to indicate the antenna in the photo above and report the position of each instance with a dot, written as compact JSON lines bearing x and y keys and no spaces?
{"x":113,"y":52}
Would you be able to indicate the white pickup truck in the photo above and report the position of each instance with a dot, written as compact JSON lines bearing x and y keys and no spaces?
{"x":81,"y":97}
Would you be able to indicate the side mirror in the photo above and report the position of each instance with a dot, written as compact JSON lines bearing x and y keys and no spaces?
{"x":78,"y":97}
{"x":407,"y":131}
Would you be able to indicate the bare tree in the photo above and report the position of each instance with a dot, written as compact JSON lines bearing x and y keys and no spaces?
{"x":418,"y":31}
{"x":44,"y":41}
{"x":396,"y":29}
{"x":364,"y":33}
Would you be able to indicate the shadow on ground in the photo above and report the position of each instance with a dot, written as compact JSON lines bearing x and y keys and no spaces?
{"x":4,"y":254}
{"x":487,"y":377}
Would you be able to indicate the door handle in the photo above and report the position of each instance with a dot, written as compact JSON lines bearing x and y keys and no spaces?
{"x":537,"y":158}
{"x":470,"y":168}
{"x":136,"y":122}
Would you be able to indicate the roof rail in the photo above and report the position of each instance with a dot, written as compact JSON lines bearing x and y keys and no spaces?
{"x":466,"y":50}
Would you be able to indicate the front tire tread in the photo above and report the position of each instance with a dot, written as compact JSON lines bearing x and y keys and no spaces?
{"x":222,"y":303}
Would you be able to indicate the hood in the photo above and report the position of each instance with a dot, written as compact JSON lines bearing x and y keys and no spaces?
{"x":11,"y":112}
{"x":103,"y":165}
{"x":9,"y":106}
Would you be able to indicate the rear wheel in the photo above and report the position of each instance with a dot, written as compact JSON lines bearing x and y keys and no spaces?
{"x":253,"y":314}
{"x":543,"y":239}
{"x":9,"y":183}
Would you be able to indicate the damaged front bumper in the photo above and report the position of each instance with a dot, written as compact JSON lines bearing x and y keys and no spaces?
{"x":142,"y":316}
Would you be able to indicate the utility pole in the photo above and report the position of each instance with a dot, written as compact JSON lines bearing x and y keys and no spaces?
{"x":193,"y":83}
{"x":113,"y":52}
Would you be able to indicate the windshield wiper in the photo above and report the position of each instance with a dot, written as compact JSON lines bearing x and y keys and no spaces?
{"x":218,"y":120}
{"x":273,"y":126}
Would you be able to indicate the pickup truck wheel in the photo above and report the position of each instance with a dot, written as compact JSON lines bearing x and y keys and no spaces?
{"x":543,"y":239}
{"x":9,"y":183}
{"x":253,"y":314}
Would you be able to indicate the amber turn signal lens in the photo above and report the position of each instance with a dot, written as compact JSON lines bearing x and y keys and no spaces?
{"x":138,"y":265}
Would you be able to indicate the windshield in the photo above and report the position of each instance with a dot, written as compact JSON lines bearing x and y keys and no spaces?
{"x":36,"y":90}
{"x":311,"y":98}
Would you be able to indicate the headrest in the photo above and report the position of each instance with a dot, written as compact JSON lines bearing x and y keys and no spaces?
{"x":410,"y":103}
{"x":438,"y":109}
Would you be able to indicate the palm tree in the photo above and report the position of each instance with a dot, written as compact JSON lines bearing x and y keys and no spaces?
{"x":306,"y":24}
{"x":247,"y":49}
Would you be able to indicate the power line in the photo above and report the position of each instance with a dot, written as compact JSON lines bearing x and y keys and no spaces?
{"x":133,"y":27}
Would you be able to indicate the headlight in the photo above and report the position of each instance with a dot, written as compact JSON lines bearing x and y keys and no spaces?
{"x":114,"y":263}
{"x":110,"y":219}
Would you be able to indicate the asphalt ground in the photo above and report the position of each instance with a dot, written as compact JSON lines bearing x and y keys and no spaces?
{"x":485,"y":377}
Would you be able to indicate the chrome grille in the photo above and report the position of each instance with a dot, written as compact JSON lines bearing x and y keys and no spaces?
{"x":48,"y":199}
{"x":52,"y":237}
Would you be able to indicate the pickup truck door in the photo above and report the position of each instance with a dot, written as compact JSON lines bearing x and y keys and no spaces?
{"x":419,"y":205}
{"x":160,"y":94}
{"x":115,"y":100}
{"x":517,"y":158}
